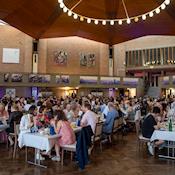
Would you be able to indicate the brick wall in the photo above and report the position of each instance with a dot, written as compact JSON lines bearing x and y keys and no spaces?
{"x":13,"y":38}
{"x":73,"y":46}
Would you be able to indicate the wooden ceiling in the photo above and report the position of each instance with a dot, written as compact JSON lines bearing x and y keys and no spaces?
{"x":44,"y":19}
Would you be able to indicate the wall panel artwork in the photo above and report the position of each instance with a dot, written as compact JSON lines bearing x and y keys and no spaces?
{"x":87,"y":59}
{"x":60,"y":58}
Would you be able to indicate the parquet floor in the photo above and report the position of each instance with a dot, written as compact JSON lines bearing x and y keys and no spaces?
{"x":123,"y":158}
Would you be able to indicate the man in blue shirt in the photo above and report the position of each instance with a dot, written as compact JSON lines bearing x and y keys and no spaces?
{"x":110,"y":117}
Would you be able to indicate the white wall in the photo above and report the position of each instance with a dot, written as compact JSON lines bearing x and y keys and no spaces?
{"x":136,"y":44}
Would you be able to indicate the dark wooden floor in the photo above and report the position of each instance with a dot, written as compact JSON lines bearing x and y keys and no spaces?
{"x":123,"y":158}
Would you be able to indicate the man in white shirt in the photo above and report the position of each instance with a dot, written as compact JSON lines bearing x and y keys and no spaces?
{"x":89,"y":118}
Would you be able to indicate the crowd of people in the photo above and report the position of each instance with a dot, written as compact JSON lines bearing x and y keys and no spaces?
{"x":60,"y":113}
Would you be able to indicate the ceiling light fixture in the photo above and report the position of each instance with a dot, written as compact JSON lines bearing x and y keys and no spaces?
{"x":128,"y":19}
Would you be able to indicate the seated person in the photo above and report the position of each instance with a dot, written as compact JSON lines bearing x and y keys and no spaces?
{"x":110,"y":117}
{"x":27,"y":122}
{"x":63,"y":128}
{"x":15,"y":116}
{"x":42,"y":119}
{"x":149,"y":123}
{"x":89,"y":117}
{"x":4,"y":116}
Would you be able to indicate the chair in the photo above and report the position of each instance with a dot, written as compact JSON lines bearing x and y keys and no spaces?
{"x":15,"y":136}
{"x":98,"y":134}
{"x":71,"y":148}
{"x":141,"y":140}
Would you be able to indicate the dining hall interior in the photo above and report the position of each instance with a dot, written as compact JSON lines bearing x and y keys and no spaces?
{"x":87,"y":87}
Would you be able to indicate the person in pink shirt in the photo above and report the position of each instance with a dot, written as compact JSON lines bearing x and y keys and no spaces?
{"x":66,"y":133}
{"x":89,"y":118}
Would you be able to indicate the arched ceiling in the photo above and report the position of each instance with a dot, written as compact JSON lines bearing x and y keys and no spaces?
{"x":44,"y":19}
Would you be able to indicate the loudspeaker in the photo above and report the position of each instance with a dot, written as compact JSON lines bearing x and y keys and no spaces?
{"x":110,"y":52}
{"x":35,"y":46}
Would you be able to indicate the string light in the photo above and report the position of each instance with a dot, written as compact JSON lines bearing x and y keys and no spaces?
{"x":157,"y":10}
{"x":96,"y":22}
{"x":151,"y":14}
{"x":111,"y":22}
{"x":104,"y":22}
{"x":144,"y":17}
{"x":120,"y":22}
{"x":69,"y":13}
{"x":128,"y":20}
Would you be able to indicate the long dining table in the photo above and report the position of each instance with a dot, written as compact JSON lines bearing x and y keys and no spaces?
{"x":40,"y":142}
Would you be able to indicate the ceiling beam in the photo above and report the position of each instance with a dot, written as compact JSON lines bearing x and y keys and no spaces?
{"x":111,"y":9}
{"x":57,"y":12}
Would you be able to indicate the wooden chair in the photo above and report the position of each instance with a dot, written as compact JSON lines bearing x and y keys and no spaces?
{"x":98,"y":134}
{"x":141,"y":140}
{"x":15,"y":136}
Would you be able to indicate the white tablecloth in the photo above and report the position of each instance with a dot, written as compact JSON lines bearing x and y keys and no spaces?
{"x":3,"y":127}
{"x":42,"y":142}
{"x":163,"y":135}
{"x":36,"y":140}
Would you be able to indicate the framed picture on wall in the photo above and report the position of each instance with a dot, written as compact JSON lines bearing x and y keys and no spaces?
{"x":58,"y":79}
{"x":16,"y":77}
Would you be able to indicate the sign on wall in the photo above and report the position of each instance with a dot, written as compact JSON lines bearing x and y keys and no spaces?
{"x":130,"y":81}
{"x":10,"y":55}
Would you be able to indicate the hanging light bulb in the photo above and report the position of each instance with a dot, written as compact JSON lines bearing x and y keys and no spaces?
{"x":128,"y":21}
{"x":163,"y":6}
{"x":151,"y":14}
{"x":81,"y":18}
{"x":75,"y":16}
{"x":111,"y":22}
{"x":120,"y":22}
{"x":167,"y":2}
{"x":104,"y":22}
{"x":61,"y":5}
{"x":157,"y":10}
{"x":96,"y":22}
{"x":69,"y":13}
{"x":144,"y":17}
{"x":60,"y":1}
{"x":88,"y":20}
{"x":65,"y":9}
{"x":136,"y":19}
